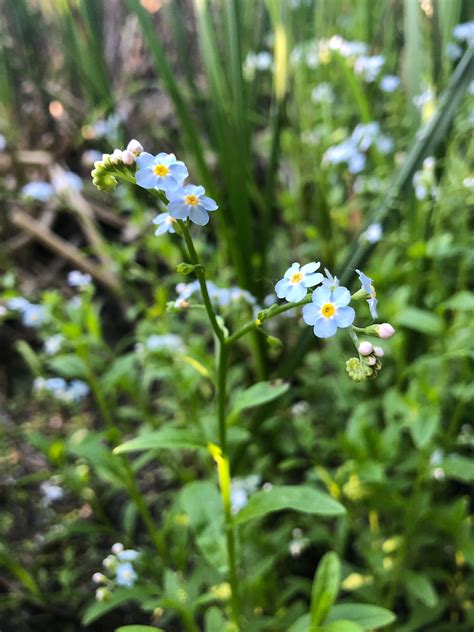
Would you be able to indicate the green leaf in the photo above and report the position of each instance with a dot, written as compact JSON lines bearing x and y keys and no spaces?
{"x":459,"y":467}
{"x":325,"y":587}
{"x":138,"y":628}
{"x":421,"y":588}
{"x":120,"y":596}
{"x":462,"y":301}
{"x":69,"y":366}
{"x":423,"y":426}
{"x":165,"y":438}
{"x":420,"y":320}
{"x":343,"y":625}
{"x":300,"y":625}
{"x":365,"y":615}
{"x":214,"y":620}
{"x":256,"y":395}
{"x":202,"y":502}
{"x":304,"y":499}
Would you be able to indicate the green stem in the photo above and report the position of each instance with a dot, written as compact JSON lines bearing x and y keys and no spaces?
{"x":229,"y":521}
{"x":266,"y":314}
{"x":201,"y":278}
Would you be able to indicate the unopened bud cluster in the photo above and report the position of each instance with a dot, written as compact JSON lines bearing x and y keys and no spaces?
{"x":367,"y":365}
{"x":103,"y":174}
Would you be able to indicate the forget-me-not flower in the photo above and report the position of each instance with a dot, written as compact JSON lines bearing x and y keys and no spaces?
{"x":389,"y":83}
{"x":78,"y":279}
{"x":39,"y":191}
{"x":127,"y":555}
{"x":53,"y":344}
{"x":165,"y":222}
{"x":329,"y":281}
{"x":33,"y":315}
{"x":367,"y":286}
{"x":125,"y":575}
{"x":161,"y":172}
{"x":297,"y":280}
{"x":328,"y":311}
{"x":190,"y":201}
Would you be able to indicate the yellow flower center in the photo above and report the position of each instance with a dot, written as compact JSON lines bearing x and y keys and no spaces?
{"x":191,"y":199}
{"x":296,"y":277}
{"x":161,"y":170}
{"x":170,"y":219}
{"x":327,"y":310}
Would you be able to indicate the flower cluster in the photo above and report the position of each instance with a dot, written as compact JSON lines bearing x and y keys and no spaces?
{"x":58,"y":388}
{"x":327,"y":309}
{"x":120,"y":571}
{"x":222,"y":297}
{"x":115,"y":164}
{"x":352,"y":150}
{"x":32,"y":315}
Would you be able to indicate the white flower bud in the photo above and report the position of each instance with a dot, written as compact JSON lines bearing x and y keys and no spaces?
{"x":385,"y":330}
{"x":116,"y":156}
{"x":370,"y":360}
{"x":117,"y":548}
{"x":135,"y":147}
{"x":99,"y":578}
{"x":365,"y":348}
{"x":379,"y":352}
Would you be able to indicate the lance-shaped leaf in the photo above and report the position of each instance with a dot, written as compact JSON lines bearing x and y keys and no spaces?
{"x":166,"y":438}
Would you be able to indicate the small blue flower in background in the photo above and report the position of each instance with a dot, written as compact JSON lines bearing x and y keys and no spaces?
{"x":296,"y":281}
{"x":373,"y":233}
{"x":33,"y":315}
{"x":369,"y":67}
{"x":190,"y":201}
{"x":53,"y":344}
{"x":76,"y":391}
{"x":367,"y":285}
{"x":78,"y":279}
{"x":328,"y":311}
{"x":164,"y":222}
{"x":464,"y":32}
{"x":389,"y":83}
{"x":128,"y":555}
{"x":18,"y":304}
{"x":39,"y":191}
{"x":125,"y":575}
{"x":453,"y":51}
{"x":166,"y":342}
{"x":162,"y":172}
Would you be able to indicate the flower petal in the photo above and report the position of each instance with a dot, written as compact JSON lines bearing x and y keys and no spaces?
{"x":178,"y":209}
{"x":281,"y":288}
{"x":199,"y":215}
{"x":321,"y":295}
{"x":292,"y":269}
{"x":325,"y":327}
{"x":208,"y":203}
{"x":162,"y":228}
{"x":341,"y":296}
{"x":311,"y":314}
{"x":162,"y":217}
{"x":144,"y":160}
{"x":373,"y":302}
{"x":296,"y":293}
{"x":344,"y":316}
{"x":308,"y":268}
{"x":146,"y":178}
{"x":312,"y":279}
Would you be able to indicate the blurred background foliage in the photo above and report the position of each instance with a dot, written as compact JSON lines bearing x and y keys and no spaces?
{"x":259,"y":99}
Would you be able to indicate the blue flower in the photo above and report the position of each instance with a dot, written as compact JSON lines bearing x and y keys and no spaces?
{"x":18,"y":304}
{"x":33,"y":315}
{"x":297,"y":280}
{"x":162,"y":172}
{"x":39,"y":191}
{"x":128,"y":555}
{"x":77,"y":390}
{"x":389,"y":83}
{"x":464,"y":32}
{"x":125,"y":575}
{"x":53,"y":345}
{"x":367,"y":286}
{"x":328,"y":311}
{"x":78,"y":279}
{"x":329,"y":281}
{"x":165,"y":224}
{"x":190,"y":201}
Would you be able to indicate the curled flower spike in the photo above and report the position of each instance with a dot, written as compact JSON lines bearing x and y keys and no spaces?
{"x":367,"y":286}
{"x":165,"y":223}
{"x":162,"y":172}
{"x":190,"y":201}
{"x":328,"y":311}
{"x":297,"y":280}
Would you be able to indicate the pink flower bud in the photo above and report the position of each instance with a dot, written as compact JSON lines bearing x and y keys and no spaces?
{"x":117,"y":548}
{"x":379,"y":352}
{"x":99,"y":578}
{"x":370,"y":360}
{"x":127,"y":157}
{"x":135,"y":147}
{"x":365,"y":348}
{"x":385,"y":330}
